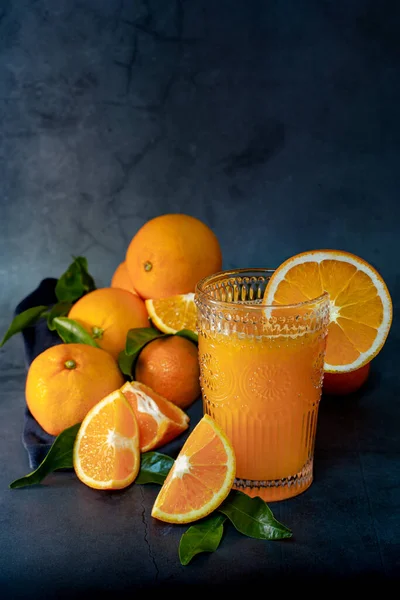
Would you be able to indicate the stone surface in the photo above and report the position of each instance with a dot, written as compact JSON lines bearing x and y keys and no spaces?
{"x":277,"y":123}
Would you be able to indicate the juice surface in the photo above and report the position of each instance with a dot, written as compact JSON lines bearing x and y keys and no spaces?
{"x":264,"y":391}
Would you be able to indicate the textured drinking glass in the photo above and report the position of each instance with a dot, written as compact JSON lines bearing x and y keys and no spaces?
{"x":261,"y":373}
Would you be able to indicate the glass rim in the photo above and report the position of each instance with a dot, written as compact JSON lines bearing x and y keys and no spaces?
{"x":202,"y":294}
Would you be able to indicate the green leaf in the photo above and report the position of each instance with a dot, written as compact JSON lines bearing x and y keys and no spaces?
{"x":60,"y":309}
{"x":72,"y":332}
{"x":253,"y":517}
{"x":154,"y":467}
{"x":138,"y":337}
{"x":126,"y":363}
{"x":75,"y":282}
{"x":189,"y":335}
{"x":58,"y":457}
{"x":24,"y":319}
{"x":205,"y":536}
{"x":136,"y":340}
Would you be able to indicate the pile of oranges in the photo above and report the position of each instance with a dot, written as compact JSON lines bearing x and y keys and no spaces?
{"x":153,"y":287}
{"x":164,"y":259}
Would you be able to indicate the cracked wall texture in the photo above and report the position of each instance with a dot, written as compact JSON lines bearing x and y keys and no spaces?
{"x":276,"y":123}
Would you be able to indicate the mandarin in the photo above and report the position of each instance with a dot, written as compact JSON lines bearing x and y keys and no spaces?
{"x":341,"y":384}
{"x":170,"y":253}
{"x":108,"y":314}
{"x":65,"y":381}
{"x":170,"y":367}
{"x":121,"y":279}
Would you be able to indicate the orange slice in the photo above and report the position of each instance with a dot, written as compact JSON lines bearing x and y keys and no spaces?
{"x":159,"y":420}
{"x":174,"y":313}
{"x":200,"y":478}
{"x":106,"y":451}
{"x":361,"y":306}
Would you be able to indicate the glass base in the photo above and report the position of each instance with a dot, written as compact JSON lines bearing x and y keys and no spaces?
{"x":277,"y":489}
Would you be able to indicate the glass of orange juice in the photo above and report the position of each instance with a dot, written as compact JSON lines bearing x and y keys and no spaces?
{"x":261,"y":378}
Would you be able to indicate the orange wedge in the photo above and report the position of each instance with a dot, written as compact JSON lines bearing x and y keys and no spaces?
{"x":200,"y":478}
{"x":106,"y":451}
{"x":360,"y":303}
{"x":174,"y":313}
{"x":159,"y":420}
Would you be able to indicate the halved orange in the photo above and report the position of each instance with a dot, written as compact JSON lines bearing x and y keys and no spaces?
{"x":200,"y":478}
{"x":360,"y":302}
{"x":159,"y":420}
{"x":106,"y":452}
{"x":174,"y":313}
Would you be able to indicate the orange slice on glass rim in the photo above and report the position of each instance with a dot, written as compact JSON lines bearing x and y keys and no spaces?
{"x":200,"y":478}
{"x":106,"y":452}
{"x":159,"y":420}
{"x":174,"y":313}
{"x":360,"y":302}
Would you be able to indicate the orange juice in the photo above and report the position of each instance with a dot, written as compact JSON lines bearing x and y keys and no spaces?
{"x":265,"y":393}
{"x":261,"y":380}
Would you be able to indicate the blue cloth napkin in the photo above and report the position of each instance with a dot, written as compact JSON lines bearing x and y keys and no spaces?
{"x":38,"y":338}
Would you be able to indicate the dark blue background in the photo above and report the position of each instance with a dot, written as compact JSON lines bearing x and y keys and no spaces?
{"x":277,"y":123}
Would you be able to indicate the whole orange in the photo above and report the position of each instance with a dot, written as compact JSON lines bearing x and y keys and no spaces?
{"x":340,"y":384}
{"x":170,"y":253}
{"x":121,"y":279}
{"x":108,"y":314}
{"x":65,"y":381}
{"x":170,"y":367}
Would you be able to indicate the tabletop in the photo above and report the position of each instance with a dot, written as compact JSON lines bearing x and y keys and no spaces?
{"x":61,"y":537}
{"x":277,"y":124}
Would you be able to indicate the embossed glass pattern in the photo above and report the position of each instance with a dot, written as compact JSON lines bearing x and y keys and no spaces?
{"x":261,"y":372}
